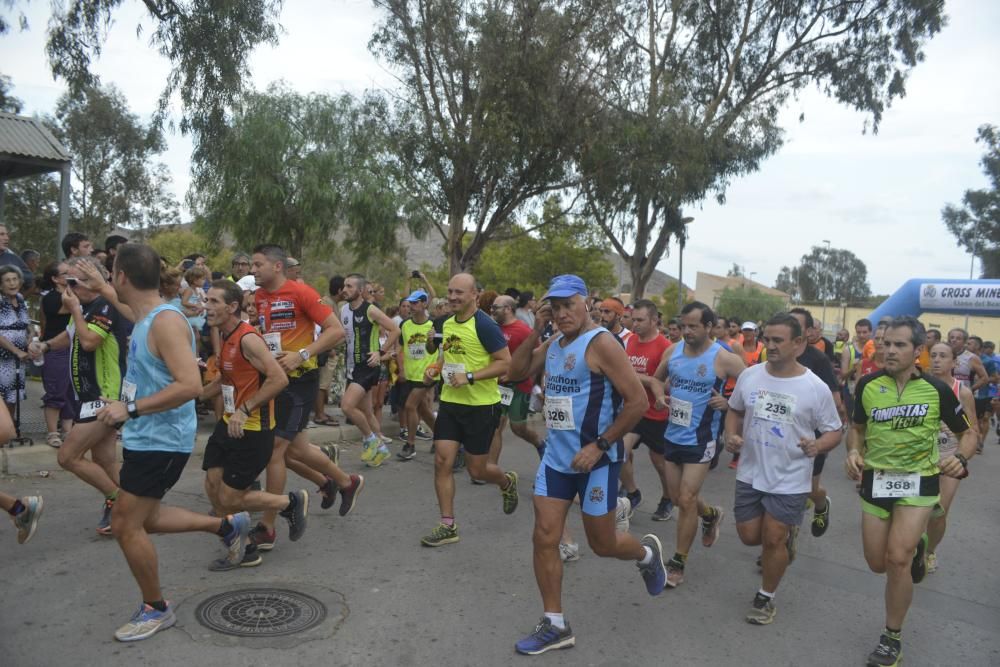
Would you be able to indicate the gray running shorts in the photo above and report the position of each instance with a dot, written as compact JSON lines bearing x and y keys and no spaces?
{"x":751,"y":503}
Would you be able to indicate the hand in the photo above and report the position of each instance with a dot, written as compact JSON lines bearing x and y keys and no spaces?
{"x":21,"y":354}
{"x":718,"y":402}
{"x":112,"y":414}
{"x":586,"y":458}
{"x":431,"y":374}
{"x":36,"y":349}
{"x":458,"y":380}
{"x":809,"y":447}
{"x":734,"y":443}
{"x":951,"y":467}
{"x":855,"y":464}
{"x":289,"y":361}
{"x":662,"y":403}
{"x":92,"y":278}
{"x":236,"y":422}
{"x":543,"y":315}
{"x":69,"y":300}
{"x":374,"y":359}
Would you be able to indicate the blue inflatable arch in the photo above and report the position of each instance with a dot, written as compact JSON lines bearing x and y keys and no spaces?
{"x":928,"y":295}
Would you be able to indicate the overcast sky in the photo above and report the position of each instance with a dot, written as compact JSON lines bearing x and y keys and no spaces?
{"x":879,"y":196}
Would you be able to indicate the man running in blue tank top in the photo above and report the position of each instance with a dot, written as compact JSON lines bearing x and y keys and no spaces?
{"x":157,"y":409}
{"x":592,"y":399}
{"x":696,"y":371}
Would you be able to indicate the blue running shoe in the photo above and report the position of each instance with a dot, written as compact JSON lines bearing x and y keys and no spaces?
{"x":654,"y":573}
{"x":27,"y":521}
{"x":545,"y":638}
{"x":236,"y":543}
{"x":145,"y":623}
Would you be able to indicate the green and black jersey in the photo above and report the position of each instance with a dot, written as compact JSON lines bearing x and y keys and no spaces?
{"x":99,"y":373}
{"x":902,"y":428}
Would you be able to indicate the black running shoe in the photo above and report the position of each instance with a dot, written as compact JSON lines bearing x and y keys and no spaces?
{"x":821,"y":520}
{"x":296,"y":514}
{"x":349,"y":496}
{"x":918,"y":569}
{"x":888,"y":653}
{"x":407,"y":452}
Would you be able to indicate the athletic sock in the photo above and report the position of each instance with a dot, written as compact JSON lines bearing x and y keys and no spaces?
{"x":448,"y":521}
{"x":648,"y":558}
{"x":112,"y":497}
{"x":680,"y":558}
{"x":556,"y":619}
{"x":769,"y":596}
{"x":17,"y":508}
{"x":158,"y":605}
{"x":893,"y":634}
{"x":225,"y":528}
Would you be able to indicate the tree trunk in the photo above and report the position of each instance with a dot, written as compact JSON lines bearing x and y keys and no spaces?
{"x":454,"y":246}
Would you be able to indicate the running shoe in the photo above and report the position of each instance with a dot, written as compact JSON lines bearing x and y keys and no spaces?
{"x":918,"y":569}
{"x":622,"y":512}
{"x":369,"y":447}
{"x":296,"y":516}
{"x":349,"y":496}
{"x":569,"y":551}
{"x":329,"y":493}
{"x":236,"y":543}
{"x":441,"y":535}
{"x":381,"y":454}
{"x":545,"y":638}
{"x":821,"y":520}
{"x":664,"y":511}
{"x":710,"y":527}
{"x":27,"y":521}
{"x":404,"y":433}
{"x":332,"y":451}
{"x":459,"y":460}
{"x":386,"y":440}
{"x":634,"y":499}
{"x":145,"y":623}
{"x":510,"y":493}
{"x":888,"y":653}
{"x":931,"y":563}
{"x":762,"y":610}
{"x":407,"y":452}
{"x":251,"y":558}
{"x":263,"y":538}
{"x":675,"y":573}
{"x":104,"y":525}
{"x":477,"y":482}
{"x":791,"y":542}
{"x":423,"y":435}
{"x":653,"y":573}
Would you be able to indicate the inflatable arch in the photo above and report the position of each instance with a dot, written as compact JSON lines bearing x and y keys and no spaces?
{"x":957,"y":297}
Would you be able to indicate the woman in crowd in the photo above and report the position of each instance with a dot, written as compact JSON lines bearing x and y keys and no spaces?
{"x":55,"y":372}
{"x":14,"y":338}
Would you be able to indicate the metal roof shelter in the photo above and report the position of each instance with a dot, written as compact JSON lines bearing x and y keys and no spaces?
{"x":28,"y":148}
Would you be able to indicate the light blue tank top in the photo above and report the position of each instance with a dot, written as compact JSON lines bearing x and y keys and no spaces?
{"x":692,"y":421}
{"x":169,"y":431}
{"x":571,"y":388}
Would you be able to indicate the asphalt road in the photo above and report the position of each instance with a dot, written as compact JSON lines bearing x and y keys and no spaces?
{"x":392,"y":602}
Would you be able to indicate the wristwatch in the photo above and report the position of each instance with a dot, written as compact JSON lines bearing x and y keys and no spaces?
{"x":603,"y":444}
{"x":961,"y":459}
{"x":472,"y":380}
{"x":304,"y":353}
{"x":133,"y":412}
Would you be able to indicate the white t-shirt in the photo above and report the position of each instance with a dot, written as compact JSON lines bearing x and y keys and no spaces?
{"x":778,"y":412}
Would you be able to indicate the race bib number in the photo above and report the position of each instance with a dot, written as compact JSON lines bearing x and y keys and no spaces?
{"x":273,"y":342}
{"x":775,"y":407}
{"x":680,"y":412}
{"x":228,"y":399}
{"x":90,"y":408}
{"x":451,"y":370}
{"x":887,"y":484}
{"x":416,"y":351}
{"x":559,"y":413}
{"x":506,"y":395}
{"x":128,"y":391}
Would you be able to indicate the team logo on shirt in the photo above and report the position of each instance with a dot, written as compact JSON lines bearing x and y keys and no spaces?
{"x":901,"y":416}
{"x":453,"y":345}
{"x":569,"y":364}
{"x":702,"y":370}
{"x":596,"y":495}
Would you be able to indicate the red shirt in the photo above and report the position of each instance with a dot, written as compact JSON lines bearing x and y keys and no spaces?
{"x":516,"y":333}
{"x":645,"y":357}
{"x":291,"y":312}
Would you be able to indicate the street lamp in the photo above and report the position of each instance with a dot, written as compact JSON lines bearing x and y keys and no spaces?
{"x":824,"y":290}
{"x":680,"y":265}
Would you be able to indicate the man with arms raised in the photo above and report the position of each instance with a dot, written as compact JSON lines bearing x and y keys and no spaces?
{"x":475,"y":355}
{"x":893,"y":451}
{"x":696,"y":370}
{"x":775,"y":412}
{"x":592,"y":398}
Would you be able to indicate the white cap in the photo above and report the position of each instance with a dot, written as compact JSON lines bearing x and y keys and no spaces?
{"x":247,"y":283}
{"x":748,"y":325}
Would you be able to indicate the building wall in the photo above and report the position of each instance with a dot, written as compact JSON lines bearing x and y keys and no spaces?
{"x":987,"y":328}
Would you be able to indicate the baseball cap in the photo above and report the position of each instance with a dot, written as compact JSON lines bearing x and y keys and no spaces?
{"x":291,"y":262}
{"x":566,"y":285}
{"x":749,"y":325}
{"x":247,"y":283}
{"x":417,"y":295}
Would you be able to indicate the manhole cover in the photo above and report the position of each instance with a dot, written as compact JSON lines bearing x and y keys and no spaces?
{"x":260,"y":612}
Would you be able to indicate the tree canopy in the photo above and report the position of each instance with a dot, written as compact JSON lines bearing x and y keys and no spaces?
{"x":976,"y":223}
{"x":748,"y":303}
{"x":826,"y":274}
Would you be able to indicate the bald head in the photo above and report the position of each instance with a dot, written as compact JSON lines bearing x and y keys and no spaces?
{"x":462,"y":295}
{"x":503,"y":309}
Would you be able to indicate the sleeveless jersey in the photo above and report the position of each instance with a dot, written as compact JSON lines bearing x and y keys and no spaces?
{"x":240,"y":381}
{"x":963,"y":368}
{"x":362,"y":334}
{"x":692,"y":421}
{"x":416,"y":358}
{"x":167,"y":431}
{"x":947,"y":442}
{"x":580,"y":405}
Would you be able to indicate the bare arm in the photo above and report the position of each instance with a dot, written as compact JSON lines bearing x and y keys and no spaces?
{"x":171,"y":341}
{"x":95,"y":281}
{"x":979,"y":373}
{"x":611,"y":360}
{"x":390,"y":328}
{"x":855,"y":462}
{"x":7,"y":429}
{"x":256,"y":352}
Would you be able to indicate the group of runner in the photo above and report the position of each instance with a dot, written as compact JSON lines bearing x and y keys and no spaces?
{"x":769,"y":395}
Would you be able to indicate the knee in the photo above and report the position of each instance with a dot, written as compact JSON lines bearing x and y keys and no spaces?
{"x":545,"y":537}
{"x":686,"y":500}
{"x":748,"y":535}
{"x":898,"y":558}
{"x":477,"y":468}
{"x":66,"y":460}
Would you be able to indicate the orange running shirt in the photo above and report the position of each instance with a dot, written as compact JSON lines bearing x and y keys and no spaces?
{"x":288,"y":317}
{"x":240,"y":381}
